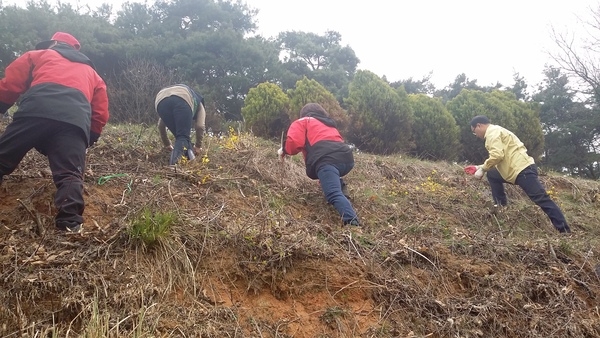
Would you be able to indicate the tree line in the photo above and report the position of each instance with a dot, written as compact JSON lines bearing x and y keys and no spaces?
{"x":213,"y":46}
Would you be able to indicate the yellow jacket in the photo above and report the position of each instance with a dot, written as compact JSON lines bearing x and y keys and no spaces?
{"x":506,"y":152}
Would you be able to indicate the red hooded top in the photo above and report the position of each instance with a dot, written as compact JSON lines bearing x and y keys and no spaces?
{"x":59,"y":83}
{"x":319,"y":141}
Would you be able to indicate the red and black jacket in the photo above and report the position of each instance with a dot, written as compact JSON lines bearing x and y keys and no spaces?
{"x":319,"y":141}
{"x":59,"y":83}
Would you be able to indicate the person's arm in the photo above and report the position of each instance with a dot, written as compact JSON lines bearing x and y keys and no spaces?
{"x":100,"y":112}
{"x":495,"y":148}
{"x":296,"y":138}
{"x":15,"y":81}
{"x":200,"y":126}
{"x":162,"y":130}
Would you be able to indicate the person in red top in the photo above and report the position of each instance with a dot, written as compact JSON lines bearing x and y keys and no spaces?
{"x":326,"y":156}
{"x":62,"y":108}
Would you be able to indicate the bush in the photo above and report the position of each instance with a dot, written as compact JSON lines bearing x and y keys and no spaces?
{"x":265,"y":110}
{"x":380,"y":118}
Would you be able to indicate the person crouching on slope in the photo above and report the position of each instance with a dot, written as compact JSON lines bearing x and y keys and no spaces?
{"x":62,"y":109}
{"x":326,"y":156}
{"x":178,"y":106}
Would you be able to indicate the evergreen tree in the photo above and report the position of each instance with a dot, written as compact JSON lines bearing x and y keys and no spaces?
{"x":435,"y":131}
{"x":571,"y":140}
{"x":380,"y":118}
{"x":265,"y":110}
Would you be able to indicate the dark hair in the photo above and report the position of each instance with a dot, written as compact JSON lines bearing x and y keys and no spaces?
{"x":313,"y":109}
{"x":479,"y":119}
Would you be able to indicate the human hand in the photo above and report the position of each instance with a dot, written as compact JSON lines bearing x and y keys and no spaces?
{"x":479,"y":173}
{"x":281,"y":154}
{"x":197,"y":150}
{"x":93,"y":138}
{"x":169,"y":147}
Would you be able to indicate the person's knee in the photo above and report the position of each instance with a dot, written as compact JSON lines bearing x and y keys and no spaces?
{"x":331,"y":197}
{"x":536,"y":193}
{"x":538,"y":198}
{"x":494,"y":177}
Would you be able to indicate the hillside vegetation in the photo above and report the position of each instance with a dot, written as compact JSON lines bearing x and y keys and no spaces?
{"x":238,"y":244}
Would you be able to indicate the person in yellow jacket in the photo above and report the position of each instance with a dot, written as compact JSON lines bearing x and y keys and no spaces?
{"x":508,"y":162}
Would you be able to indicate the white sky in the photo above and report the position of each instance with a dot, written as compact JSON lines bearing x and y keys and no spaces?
{"x":488,"y":41}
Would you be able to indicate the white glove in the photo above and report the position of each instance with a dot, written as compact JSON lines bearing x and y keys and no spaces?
{"x":280,"y":153}
{"x":479,"y":173}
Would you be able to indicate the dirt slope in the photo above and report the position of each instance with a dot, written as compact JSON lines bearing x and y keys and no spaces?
{"x":254,"y":250}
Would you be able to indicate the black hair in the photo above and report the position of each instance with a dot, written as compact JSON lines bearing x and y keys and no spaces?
{"x":479,"y":119}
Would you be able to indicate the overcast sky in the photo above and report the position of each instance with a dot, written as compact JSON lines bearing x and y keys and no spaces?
{"x":486,"y":40}
{"x":401,"y":39}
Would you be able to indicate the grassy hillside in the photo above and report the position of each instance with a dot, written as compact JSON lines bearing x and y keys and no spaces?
{"x":237,"y":244}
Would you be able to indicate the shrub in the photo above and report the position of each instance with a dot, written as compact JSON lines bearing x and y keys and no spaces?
{"x":265,"y":110}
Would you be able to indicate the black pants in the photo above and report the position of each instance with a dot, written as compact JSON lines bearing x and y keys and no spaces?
{"x":64,"y":144}
{"x":531,"y":185}
{"x":177,"y":116}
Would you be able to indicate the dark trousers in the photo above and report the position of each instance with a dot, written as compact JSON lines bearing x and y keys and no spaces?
{"x":177,"y":116}
{"x":331,"y":183}
{"x":528,"y":181}
{"x":64,"y":144}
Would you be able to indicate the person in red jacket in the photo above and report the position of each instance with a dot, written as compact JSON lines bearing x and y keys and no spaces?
{"x":62,"y":108}
{"x":326,"y":156}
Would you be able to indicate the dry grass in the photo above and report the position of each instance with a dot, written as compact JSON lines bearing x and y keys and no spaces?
{"x":256,"y":251}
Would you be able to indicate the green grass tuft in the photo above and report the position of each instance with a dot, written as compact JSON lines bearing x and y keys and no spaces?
{"x":151,"y":226}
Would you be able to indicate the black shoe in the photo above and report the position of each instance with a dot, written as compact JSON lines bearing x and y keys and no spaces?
{"x":70,"y":227}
